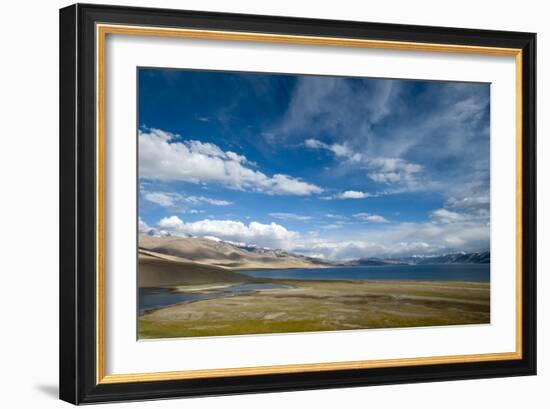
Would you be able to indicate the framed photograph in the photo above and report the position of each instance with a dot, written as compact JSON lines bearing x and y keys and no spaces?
{"x":257,"y":203}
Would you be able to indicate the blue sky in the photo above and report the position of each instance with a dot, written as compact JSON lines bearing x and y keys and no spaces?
{"x":332,"y":167}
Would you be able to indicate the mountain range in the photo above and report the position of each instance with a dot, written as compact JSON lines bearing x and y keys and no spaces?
{"x":454,"y":258}
{"x":170,"y":260}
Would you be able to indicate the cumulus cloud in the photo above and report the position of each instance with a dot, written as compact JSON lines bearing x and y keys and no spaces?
{"x":270,"y":235}
{"x":356,"y":249}
{"x":399,"y":240}
{"x":382,"y":240}
{"x":368,"y":217}
{"x":353,"y":194}
{"x":162,"y":156}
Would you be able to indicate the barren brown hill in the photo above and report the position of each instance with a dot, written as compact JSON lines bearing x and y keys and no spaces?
{"x":222,"y":254}
{"x":158,"y":270}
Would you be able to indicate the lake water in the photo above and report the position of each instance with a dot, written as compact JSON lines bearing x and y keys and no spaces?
{"x":423,"y":272}
{"x":150,"y":298}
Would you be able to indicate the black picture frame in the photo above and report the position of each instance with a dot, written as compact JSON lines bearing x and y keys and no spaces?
{"x":78,"y":359}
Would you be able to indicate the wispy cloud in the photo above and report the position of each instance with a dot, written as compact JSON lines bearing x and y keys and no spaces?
{"x":446,"y":216}
{"x":161,"y":198}
{"x":336,"y":105}
{"x":208,"y":200}
{"x":392,"y":171}
{"x":339,"y":150}
{"x":469,"y":202}
{"x":335,"y":216}
{"x":290,"y":216}
{"x":467,"y":209}
{"x":174,"y":199}
{"x":387,"y":171}
{"x":331,"y":226}
{"x":405,"y":136}
{"x":368,"y":217}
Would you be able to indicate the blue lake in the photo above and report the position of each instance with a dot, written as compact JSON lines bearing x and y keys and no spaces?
{"x":151,"y":298}
{"x":424,"y":272}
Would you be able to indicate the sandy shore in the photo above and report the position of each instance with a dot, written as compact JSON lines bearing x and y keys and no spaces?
{"x":324,"y":305}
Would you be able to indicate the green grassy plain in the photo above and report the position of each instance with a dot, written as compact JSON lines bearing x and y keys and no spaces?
{"x":324,"y":306}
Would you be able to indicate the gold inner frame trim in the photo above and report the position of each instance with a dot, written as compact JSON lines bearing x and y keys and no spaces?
{"x":101,"y":33}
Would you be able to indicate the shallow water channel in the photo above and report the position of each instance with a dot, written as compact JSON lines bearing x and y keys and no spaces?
{"x":151,"y":298}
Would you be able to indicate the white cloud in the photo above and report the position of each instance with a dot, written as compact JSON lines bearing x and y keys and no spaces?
{"x":208,"y":200}
{"x":446,"y":216}
{"x":380,"y":121}
{"x":371,"y":217}
{"x":163,"y":157}
{"x":389,"y":171}
{"x":353,"y":194}
{"x":382,"y":240}
{"x":472,"y":212}
{"x":144,"y":228}
{"x":398,"y":240}
{"x":290,"y":216}
{"x":264,"y":235}
{"x":339,"y":150}
{"x":315,"y":144}
{"x":350,"y":250}
{"x":335,"y":105}
{"x":335,"y":216}
{"x":173,"y":199}
{"x":469,"y":202}
{"x":161,"y":198}
{"x":395,"y":171}
{"x":287,"y":185}
{"x":332,"y":226}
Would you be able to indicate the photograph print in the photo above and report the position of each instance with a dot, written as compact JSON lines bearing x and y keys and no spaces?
{"x":283,"y":203}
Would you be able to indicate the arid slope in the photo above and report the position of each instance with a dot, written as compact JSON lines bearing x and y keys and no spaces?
{"x":159,"y":270}
{"x":222,"y":254}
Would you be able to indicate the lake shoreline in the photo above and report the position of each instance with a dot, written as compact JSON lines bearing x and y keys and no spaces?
{"x":416,"y":272}
{"x":283,"y":281}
